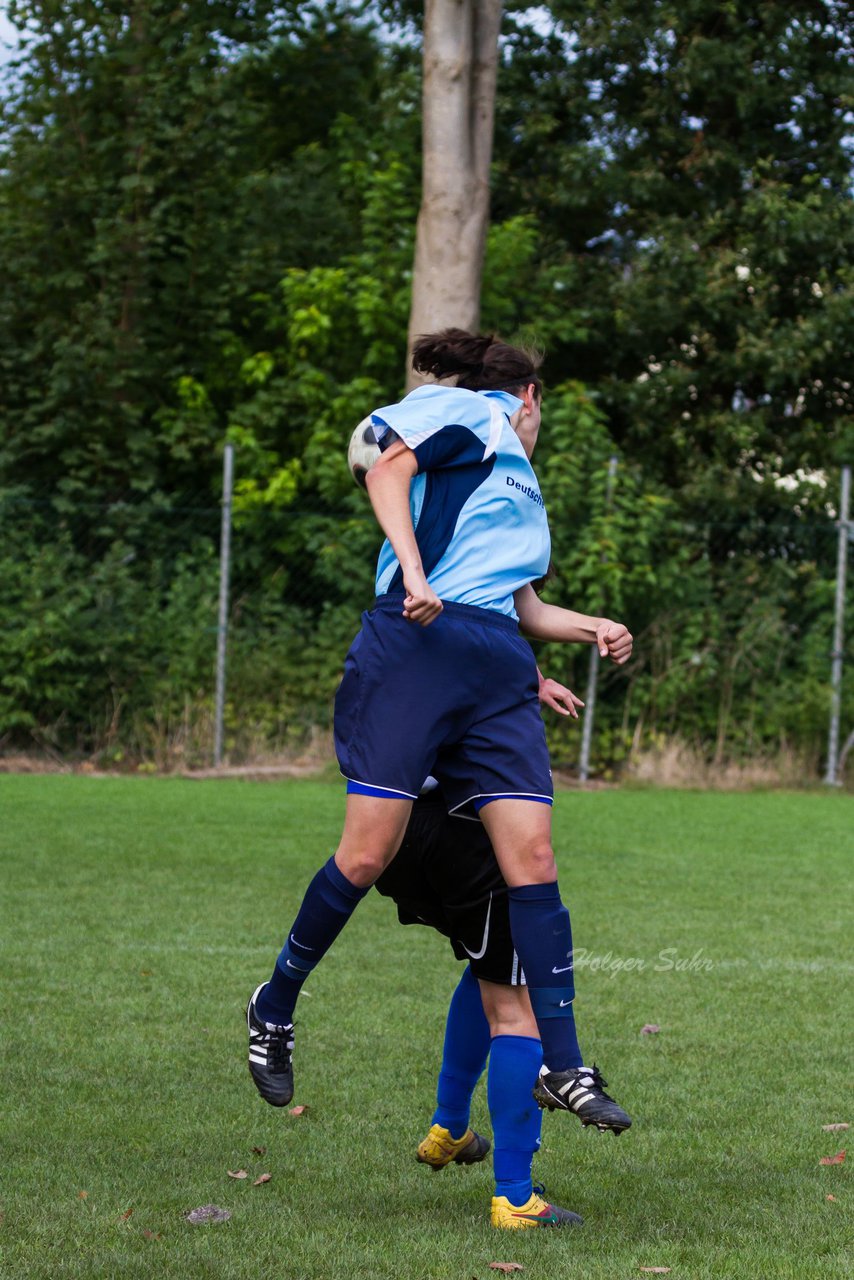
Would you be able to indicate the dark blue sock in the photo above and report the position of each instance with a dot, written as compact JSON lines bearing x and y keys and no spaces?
{"x":464,"y":1056}
{"x":542,"y":937}
{"x":329,"y":902}
{"x":514,"y":1062}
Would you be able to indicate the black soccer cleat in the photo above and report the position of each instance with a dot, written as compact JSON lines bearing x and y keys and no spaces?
{"x":270,"y":1051}
{"x":582,"y":1090}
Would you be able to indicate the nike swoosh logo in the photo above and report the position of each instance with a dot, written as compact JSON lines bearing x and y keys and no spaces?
{"x":564,"y":1003}
{"x":478,"y":955}
{"x":565,"y":969}
{"x":295,"y":966}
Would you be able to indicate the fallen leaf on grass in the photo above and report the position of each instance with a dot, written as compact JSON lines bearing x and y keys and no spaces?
{"x":152,"y":1235}
{"x":82,"y":1195}
{"x":298,"y":1111}
{"x":259,"y":1151}
{"x":123,"y":1217}
{"x":833,"y":1128}
{"x":265,"y":1177}
{"x":207,"y":1213}
{"x":830,"y":1198}
{"x":237,"y":1173}
{"x":650,"y":1029}
{"x":506,"y":1266}
{"x":839,"y":1158}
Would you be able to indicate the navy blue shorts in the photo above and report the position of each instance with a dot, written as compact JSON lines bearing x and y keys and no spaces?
{"x":456,"y":699}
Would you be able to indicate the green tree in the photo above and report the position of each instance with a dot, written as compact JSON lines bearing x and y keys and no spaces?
{"x":149,"y":191}
{"x":164,"y":167}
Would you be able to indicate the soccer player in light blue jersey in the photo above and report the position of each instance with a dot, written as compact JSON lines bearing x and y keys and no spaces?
{"x":439,"y":681}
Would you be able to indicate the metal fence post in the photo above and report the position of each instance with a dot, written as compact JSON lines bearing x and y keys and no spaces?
{"x":830,"y":777}
{"x":222,"y":622}
{"x":593,"y":675}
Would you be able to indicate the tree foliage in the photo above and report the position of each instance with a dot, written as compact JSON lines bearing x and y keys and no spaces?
{"x":207,"y":217}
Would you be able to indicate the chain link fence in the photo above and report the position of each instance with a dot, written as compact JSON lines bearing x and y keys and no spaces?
{"x":111,"y":618}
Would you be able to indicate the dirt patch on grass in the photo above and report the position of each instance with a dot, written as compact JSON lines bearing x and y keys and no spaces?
{"x":33,"y":764}
{"x":676,"y":764}
{"x":314,"y":759}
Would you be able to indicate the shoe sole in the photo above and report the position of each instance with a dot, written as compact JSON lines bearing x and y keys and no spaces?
{"x":528,"y":1224}
{"x":537,"y":1226}
{"x":278,"y":1101}
{"x":547,"y":1102}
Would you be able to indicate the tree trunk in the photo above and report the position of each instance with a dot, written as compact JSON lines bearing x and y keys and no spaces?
{"x":460,"y":70}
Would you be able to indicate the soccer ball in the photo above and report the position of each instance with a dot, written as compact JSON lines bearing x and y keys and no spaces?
{"x":362,"y":451}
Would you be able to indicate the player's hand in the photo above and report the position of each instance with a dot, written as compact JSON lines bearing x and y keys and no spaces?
{"x":614,"y":641}
{"x":559,"y":698}
{"x":421,"y":604}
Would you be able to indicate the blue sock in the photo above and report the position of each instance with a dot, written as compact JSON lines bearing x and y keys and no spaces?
{"x":542,"y":937}
{"x":514,"y":1062}
{"x":463,"y":1057}
{"x":329,"y":902}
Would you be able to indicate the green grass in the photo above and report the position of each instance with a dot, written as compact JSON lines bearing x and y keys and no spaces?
{"x":138,"y":914}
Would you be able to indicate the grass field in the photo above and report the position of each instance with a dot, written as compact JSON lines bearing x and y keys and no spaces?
{"x":138,"y":914}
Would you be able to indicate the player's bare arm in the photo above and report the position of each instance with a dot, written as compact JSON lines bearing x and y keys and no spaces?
{"x":543,"y":621}
{"x":388,"y":483}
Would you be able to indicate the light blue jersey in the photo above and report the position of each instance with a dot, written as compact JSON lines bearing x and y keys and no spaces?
{"x":480,"y":520}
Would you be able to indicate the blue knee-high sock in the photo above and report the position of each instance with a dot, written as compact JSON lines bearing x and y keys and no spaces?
{"x":542,"y":937}
{"x":514,"y":1062}
{"x":329,"y":902}
{"x":463,"y":1057}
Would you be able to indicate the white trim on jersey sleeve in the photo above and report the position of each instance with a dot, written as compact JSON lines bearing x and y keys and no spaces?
{"x":496,"y":426}
{"x":431,"y":407}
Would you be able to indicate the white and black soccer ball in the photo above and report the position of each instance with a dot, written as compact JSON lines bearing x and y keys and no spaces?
{"x":362,"y":451}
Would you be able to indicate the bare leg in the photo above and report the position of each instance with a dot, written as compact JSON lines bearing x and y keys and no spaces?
{"x":373,"y":831}
{"x":508,"y":1010}
{"x":520,"y":831}
{"x":521,"y":835}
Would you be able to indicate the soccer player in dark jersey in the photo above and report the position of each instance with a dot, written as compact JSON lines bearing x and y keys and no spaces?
{"x":445,"y":875}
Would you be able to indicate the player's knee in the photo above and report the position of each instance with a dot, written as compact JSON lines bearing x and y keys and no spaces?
{"x":539,"y":864}
{"x":532,"y":863}
{"x":362,"y":866}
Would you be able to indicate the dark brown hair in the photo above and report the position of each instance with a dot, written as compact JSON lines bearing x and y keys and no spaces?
{"x":480,"y":363}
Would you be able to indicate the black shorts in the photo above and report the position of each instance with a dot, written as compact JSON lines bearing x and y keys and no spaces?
{"x":445,"y":875}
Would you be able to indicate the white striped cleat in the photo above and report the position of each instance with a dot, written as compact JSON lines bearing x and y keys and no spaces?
{"x":581,"y":1090}
{"x":270,"y":1049}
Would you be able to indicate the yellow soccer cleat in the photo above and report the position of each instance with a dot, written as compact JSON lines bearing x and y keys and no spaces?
{"x":439,"y":1148}
{"x":536,"y":1213}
